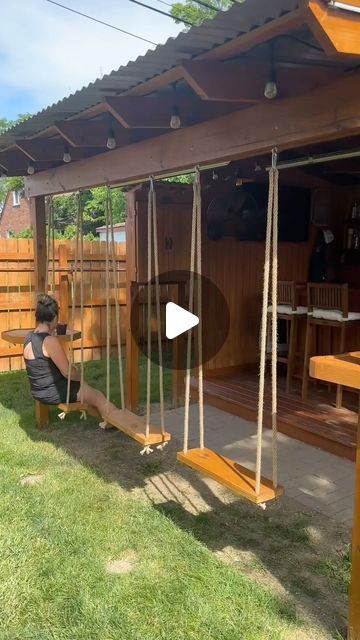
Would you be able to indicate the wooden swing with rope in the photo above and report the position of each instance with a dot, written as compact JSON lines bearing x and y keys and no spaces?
{"x":242,"y":481}
{"x":135,"y":426}
{"x":129,"y":423}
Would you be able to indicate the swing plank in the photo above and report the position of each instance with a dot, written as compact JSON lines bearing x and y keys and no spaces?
{"x":230,"y":474}
{"x":134,"y":426}
{"x":78,"y":406}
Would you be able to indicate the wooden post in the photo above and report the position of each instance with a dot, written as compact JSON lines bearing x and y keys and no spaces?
{"x":41,"y":414}
{"x":354,"y":606}
{"x":38,"y":223}
{"x":63,"y":284}
{"x":132,"y":349}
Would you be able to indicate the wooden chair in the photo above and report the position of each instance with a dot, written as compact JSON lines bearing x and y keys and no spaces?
{"x":328,"y":306}
{"x":289,"y":310}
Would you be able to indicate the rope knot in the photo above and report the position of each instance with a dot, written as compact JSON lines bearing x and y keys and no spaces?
{"x":146,"y":450}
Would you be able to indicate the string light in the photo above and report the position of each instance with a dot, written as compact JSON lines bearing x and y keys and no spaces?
{"x":258,"y":166}
{"x":111,"y":141}
{"x":271,"y":89}
{"x":175,"y":120}
{"x":66,"y":155}
{"x":30,"y":168}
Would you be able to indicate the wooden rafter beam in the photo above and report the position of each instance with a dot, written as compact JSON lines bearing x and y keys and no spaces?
{"x":82,"y":133}
{"x":244,"y":42}
{"x":327,"y":113}
{"x":336,"y":31}
{"x":155,"y":113}
{"x":245,"y":82}
{"x":50,"y":149}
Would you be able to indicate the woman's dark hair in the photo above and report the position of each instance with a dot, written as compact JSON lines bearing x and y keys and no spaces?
{"x":47,"y":308}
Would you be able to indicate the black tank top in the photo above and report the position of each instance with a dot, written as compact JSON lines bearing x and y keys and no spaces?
{"x":47,"y":383}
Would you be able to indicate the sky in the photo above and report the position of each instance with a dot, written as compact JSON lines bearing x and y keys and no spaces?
{"x":46,"y":53}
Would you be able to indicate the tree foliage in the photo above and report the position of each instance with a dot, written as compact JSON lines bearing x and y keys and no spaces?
{"x":195,"y":13}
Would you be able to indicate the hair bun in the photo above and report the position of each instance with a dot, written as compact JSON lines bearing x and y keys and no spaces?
{"x":45,"y":299}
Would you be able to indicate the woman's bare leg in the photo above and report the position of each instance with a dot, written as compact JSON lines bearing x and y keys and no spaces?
{"x":92,"y":396}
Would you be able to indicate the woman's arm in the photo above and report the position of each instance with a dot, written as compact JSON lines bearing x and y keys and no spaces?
{"x":52,"y":349}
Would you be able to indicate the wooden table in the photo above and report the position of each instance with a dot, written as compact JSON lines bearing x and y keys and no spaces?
{"x":17,"y":336}
{"x":344,"y":369}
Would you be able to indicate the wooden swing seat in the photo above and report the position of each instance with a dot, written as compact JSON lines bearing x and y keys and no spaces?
{"x":79,"y":406}
{"x":134,"y":426}
{"x":230,"y":474}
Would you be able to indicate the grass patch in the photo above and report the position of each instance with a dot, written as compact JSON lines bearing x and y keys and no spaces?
{"x":59,"y":535}
{"x":338,"y":569}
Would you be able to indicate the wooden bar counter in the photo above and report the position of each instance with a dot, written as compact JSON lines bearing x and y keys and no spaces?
{"x":344,"y":369}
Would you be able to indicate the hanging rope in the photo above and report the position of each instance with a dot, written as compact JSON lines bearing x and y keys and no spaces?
{"x":274,"y":326}
{"x":73,"y":302}
{"x":158,"y":309}
{"x":117,"y":306}
{"x":81,"y":301}
{"x":50,"y":245}
{"x":195,"y":228}
{"x":149,"y":292}
{"x":107,"y":295}
{"x":270,"y":253}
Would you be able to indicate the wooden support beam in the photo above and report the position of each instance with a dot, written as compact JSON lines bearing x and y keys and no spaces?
{"x":84,"y":133}
{"x":336,"y":31}
{"x":51,"y":150}
{"x":330,"y":112}
{"x":132,"y":349}
{"x":240,"y":82}
{"x":13,"y":160}
{"x":155,"y":113}
{"x":244,"y":42}
{"x":38,"y":223}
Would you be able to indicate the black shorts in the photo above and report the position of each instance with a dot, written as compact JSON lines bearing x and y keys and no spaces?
{"x":57,"y":392}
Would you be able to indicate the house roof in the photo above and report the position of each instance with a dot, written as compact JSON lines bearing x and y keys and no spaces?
{"x":119,"y":226}
{"x":239,"y":19}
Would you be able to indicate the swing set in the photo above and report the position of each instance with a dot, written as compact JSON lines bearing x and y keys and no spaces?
{"x":251,"y":485}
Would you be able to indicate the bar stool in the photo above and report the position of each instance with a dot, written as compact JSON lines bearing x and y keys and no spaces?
{"x":328,"y":306}
{"x":289,"y":309}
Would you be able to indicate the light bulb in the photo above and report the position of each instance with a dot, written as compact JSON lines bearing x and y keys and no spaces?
{"x":239,"y":181}
{"x":31,"y":168}
{"x":66,"y":155}
{"x":215,"y":176}
{"x":258,"y":166}
{"x":111,"y":142}
{"x":175,"y":121}
{"x":271,"y":89}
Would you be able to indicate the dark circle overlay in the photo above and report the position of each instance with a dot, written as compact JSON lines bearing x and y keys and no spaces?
{"x":175,"y":288}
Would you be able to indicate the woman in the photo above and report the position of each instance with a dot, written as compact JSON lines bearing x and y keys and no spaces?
{"x":47,"y":365}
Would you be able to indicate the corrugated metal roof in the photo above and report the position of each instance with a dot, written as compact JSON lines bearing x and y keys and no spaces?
{"x":240,"y":18}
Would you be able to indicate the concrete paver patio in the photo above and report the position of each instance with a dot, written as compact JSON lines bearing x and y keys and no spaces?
{"x":312,"y":477}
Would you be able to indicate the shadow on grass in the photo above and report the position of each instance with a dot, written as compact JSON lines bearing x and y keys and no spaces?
{"x":282,"y":547}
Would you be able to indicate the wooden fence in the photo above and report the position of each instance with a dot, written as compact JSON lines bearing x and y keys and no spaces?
{"x":17,"y":294}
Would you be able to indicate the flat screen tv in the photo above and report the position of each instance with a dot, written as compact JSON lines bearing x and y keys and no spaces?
{"x":229,"y":215}
{"x":294,"y":213}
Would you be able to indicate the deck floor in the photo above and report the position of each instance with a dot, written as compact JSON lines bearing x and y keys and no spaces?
{"x":316,"y":421}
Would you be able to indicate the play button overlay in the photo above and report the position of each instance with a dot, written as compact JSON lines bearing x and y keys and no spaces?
{"x":178,"y":320}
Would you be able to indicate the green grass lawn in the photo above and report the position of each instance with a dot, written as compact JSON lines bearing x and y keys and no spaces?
{"x":59,"y":532}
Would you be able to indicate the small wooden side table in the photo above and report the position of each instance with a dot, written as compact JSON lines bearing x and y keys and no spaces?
{"x":344,"y":369}
{"x":17,"y":336}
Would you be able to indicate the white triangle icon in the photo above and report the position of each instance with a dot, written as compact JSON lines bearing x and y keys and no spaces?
{"x":178,"y":320}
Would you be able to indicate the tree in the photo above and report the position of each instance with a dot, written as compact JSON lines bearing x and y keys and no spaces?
{"x":196,"y":14}
{"x":11,"y":184}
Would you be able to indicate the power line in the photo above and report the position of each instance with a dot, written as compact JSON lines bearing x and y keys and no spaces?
{"x":106,"y":24}
{"x":163,"y":13}
{"x":207,"y":6}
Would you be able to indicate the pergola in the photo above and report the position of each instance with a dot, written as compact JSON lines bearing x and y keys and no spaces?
{"x":215,"y":75}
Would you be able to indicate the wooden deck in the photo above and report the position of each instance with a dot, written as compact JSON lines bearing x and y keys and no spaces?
{"x":316,"y":421}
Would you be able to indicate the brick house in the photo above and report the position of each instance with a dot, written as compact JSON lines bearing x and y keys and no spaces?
{"x":15,"y":214}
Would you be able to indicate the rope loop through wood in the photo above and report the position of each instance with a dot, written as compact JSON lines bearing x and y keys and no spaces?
{"x":271,"y":260}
